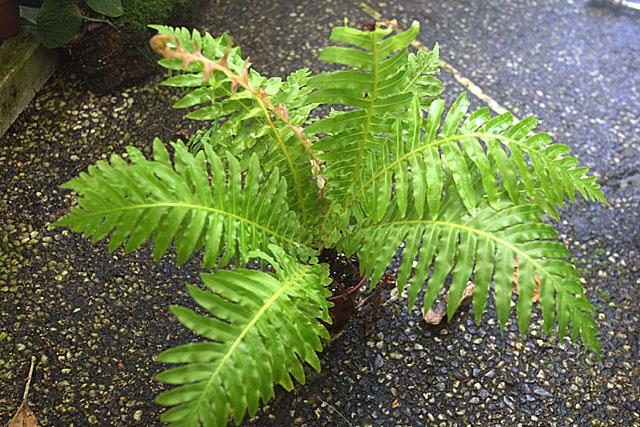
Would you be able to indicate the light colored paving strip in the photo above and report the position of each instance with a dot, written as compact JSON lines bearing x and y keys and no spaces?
{"x":465,"y":82}
{"x":630,"y":4}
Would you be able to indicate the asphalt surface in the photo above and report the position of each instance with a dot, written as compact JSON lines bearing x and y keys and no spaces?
{"x":95,"y":320}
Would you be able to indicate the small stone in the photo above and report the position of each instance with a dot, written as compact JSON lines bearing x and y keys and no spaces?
{"x":490,"y":374}
{"x":541,"y":392}
{"x":137,"y":415}
{"x":507,"y":401}
{"x":379,"y":362}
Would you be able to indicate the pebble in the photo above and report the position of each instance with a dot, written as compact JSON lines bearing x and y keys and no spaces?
{"x":541,"y":392}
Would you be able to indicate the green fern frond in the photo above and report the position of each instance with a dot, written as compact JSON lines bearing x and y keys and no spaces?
{"x":260,"y":328}
{"x":503,"y":156}
{"x":483,"y":247}
{"x":421,"y":70}
{"x":381,"y":79}
{"x":462,"y":194}
{"x":212,"y":47}
{"x":198,"y":200}
{"x":243,"y":125}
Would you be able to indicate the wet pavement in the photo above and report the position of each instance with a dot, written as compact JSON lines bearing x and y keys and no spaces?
{"x":95,"y":320}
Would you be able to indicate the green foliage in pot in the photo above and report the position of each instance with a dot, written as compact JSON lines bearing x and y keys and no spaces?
{"x":464,"y":192}
{"x":138,"y":14}
{"x":59,"y":21}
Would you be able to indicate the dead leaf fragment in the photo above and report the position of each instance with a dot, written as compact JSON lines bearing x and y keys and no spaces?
{"x":536,"y":290}
{"x":438,"y":311}
{"x":514,"y":282}
{"x":24,"y":416}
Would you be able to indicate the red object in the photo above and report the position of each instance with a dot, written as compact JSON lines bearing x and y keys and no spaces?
{"x":9,"y":18}
{"x":345,"y":305}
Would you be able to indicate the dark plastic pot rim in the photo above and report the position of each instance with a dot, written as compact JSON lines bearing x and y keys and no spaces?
{"x":9,"y":19}
{"x":335,"y":298}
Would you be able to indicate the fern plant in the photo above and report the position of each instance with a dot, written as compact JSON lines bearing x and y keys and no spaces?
{"x":391,"y":165}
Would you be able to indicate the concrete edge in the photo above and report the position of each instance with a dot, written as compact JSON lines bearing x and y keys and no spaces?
{"x":25,"y":66}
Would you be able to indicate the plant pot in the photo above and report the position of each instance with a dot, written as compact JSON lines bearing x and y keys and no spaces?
{"x":344,"y":306}
{"x":31,"y":3}
{"x":9,"y":18}
{"x":107,"y":59}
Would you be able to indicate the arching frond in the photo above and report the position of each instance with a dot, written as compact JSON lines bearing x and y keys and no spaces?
{"x":259,"y":328}
{"x":379,"y":82}
{"x":199,"y":200}
{"x":502,"y":155}
{"x":241,"y":122}
{"x":482,"y":247}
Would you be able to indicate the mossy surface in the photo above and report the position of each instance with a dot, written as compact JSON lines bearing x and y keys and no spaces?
{"x":138,"y":14}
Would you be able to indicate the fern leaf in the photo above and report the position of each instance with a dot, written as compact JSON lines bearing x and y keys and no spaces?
{"x":192,"y":202}
{"x":380,"y":81}
{"x":260,"y":328}
{"x":483,"y":246}
{"x":502,"y":156}
{"x":242,"y":123}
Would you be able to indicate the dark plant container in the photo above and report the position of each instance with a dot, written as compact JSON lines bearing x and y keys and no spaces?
{"x":9,"y":18}
{"x":344,"y":306}
{"x":31,"y":3}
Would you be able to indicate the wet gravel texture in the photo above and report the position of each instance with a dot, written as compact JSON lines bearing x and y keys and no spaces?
{"x":95,"y":320}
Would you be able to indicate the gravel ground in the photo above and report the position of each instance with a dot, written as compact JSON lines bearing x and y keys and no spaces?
{"x":94,"y":320}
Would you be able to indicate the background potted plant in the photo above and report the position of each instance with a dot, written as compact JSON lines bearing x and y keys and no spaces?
{"x":104,"y":40}
{"x":57,"y":22}
{"x":464,"y":193}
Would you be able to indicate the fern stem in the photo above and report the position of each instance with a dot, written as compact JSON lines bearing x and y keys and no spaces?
{"x":231,"y":215}
{"x":373,"y":95}
{"x":100,"y":20}
{"x":294,"y":173}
